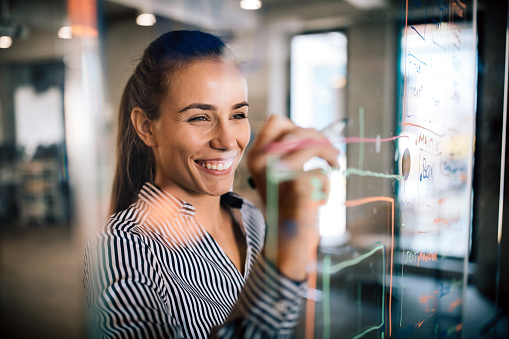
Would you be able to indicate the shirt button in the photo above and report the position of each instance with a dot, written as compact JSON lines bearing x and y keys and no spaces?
{"x":280,"y":307}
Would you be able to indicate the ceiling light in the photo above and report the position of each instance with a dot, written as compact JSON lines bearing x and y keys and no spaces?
{"x":250,"y":4}
{"x":65,"y":32}
{"x":368,"y":4}
{"x":5,"y":41}
{"x":146,"y":19}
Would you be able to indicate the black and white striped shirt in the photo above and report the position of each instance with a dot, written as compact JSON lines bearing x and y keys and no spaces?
{"x":154,"y":271}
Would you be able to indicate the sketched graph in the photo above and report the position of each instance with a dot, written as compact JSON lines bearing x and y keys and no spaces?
{"x":365,"y":293}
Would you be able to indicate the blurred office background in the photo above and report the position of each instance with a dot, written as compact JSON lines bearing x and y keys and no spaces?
{"x":59,"y":95}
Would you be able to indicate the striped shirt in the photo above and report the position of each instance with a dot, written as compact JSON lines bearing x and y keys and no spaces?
{"x":154,"y":272}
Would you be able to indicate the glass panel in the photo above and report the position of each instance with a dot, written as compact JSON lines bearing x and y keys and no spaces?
{"x":402,"y":265}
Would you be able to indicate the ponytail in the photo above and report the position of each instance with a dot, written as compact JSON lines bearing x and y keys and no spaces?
{"x":135,"y":160}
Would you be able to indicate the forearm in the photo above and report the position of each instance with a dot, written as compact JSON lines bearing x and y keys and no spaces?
{"x":268,"y":306}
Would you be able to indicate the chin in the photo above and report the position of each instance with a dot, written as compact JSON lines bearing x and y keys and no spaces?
{"x":218,"y":191}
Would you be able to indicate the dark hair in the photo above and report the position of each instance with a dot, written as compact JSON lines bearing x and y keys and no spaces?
{"x":146,"y":89}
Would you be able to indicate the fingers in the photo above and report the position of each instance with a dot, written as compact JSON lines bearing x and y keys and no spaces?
{"x":299,"y":145}
{"x":274,"y":129}
{"x":296,"y":159}
{"x":293,"y":145}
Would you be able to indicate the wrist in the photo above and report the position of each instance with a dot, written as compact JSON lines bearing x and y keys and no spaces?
{"x":296,"y":246}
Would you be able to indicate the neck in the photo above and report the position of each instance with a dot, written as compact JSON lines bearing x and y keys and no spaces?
{"x":207,"y":208}
{"x":208,"y":212}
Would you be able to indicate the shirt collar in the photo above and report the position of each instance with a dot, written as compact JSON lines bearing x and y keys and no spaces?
{"x":232,"y":200}
{"x":160,"y":200}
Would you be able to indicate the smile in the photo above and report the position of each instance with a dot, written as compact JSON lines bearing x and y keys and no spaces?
{"x":216,"y":165}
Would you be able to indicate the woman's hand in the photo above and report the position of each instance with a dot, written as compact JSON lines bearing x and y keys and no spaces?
{"x":300,"y":196}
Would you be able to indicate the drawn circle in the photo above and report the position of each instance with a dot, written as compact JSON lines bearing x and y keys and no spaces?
{"x":405,"y":164}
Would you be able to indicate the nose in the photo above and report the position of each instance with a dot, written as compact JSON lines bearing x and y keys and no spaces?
{"x":223,"y":137}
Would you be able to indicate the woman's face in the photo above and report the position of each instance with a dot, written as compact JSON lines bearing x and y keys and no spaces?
{"x":202,"y":130}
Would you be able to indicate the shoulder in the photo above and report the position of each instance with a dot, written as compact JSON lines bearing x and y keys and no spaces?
{"x":121,"y":229}
{"x":119,"y":251}
{"x":129,"y":218}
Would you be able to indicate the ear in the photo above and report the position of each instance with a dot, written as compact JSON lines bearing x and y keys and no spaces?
{"x":143,"y":126}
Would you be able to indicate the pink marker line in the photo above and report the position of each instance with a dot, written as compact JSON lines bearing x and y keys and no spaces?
{"x":349,"y":140}
{"x":285,"y":147}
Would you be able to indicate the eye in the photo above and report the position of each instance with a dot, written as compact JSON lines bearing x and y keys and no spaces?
{"x":198,"y":118}
{"x":239,"y":116}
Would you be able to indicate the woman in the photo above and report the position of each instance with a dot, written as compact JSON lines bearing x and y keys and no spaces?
{"x":181,"y":256}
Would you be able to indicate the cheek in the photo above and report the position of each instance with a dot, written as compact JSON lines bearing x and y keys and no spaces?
{"x":243,"y":136}
{"x":189,"y":146}
{"x":182,"y":145}
{"x":182,"y":137}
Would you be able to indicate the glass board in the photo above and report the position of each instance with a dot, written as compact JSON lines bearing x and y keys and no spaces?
{"x":401,"y":262}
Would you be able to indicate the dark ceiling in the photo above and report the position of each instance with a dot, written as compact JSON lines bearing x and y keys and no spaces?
{"x":26,"y":16}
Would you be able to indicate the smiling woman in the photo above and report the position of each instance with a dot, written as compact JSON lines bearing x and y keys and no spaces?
{"x":206,"y":113}
{"x":182,"y":256}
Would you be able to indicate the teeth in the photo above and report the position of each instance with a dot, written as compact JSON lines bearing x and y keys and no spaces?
{"x":218,"y":167}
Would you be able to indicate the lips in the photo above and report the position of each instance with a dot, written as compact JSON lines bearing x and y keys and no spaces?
{"x":216,"y":165}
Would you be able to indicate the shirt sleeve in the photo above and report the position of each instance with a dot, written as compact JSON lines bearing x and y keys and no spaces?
{"x":268,"y":306}
{"x":122,"y":286}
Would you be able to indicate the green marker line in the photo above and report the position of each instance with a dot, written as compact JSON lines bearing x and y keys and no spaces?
{"x":272,"y":209}
{"x":402,"y":295}
{"x":326,"y":297}
{"x":338,"y":267}
{"x":361,"y":146}
{"x":361,"y":135}
{"x":363,"y":173}
{"x":359,"y":306}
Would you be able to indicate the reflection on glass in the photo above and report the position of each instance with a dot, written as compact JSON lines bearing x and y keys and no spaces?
{"x":318,"y":80}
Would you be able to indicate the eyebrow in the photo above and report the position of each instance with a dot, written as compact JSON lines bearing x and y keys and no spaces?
{"x":240,"y":105}
{"x":208,"y":107}
{"x":204,"y":107}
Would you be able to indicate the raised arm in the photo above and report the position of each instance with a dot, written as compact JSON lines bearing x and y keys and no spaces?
{"x":270,"y":303}
{"x":298,"y":235}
